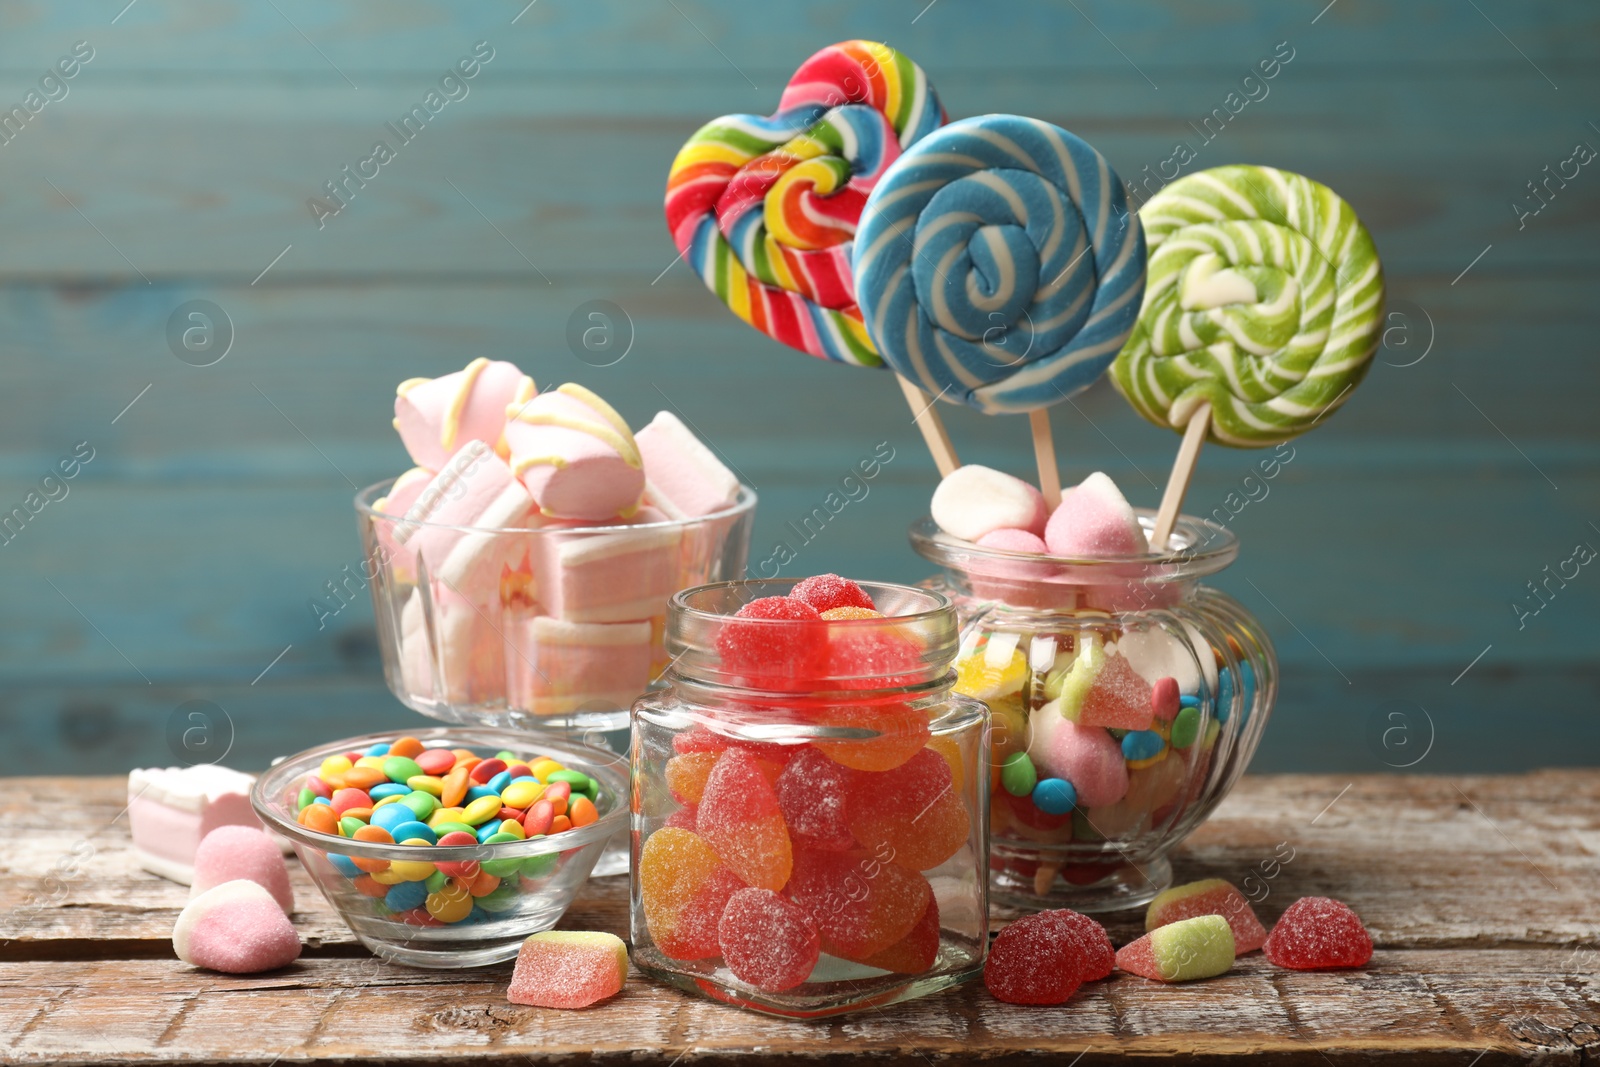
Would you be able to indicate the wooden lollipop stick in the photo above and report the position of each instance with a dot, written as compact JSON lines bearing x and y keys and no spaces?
{"x":1194,"y":435}
{"x":932,"y":427}
{"x":1044,"y":454}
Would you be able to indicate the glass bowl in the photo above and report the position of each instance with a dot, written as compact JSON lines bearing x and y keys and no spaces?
{"x":539,"y":878}
{"x":554,"y":627}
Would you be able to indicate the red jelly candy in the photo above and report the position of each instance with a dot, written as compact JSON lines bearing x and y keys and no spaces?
{"x":1042,"y":958}
{"x":685,"y":818}
{"x":1119,"y":698}
{"x":915,"y":952}
{"x":740,"y":819}
{"x":1318,"y":933}
{"x":911,"y":813}
{"x":899,"y":731}
{"x":774,"y":637}
{"x":812,"y":793}
{"x":827,"y":591}
{"x":872,"y":657}
{"x":861,"y":903}
{"x":767,"y":941}
{"x":683,"y":889}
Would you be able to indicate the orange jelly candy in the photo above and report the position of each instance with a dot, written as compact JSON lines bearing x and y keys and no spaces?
{"x":912,"y":813}
{"x":739,"y":818}
{"x":687,"y":773}
{"x":683,"y":888}
{"x":902,"y":731}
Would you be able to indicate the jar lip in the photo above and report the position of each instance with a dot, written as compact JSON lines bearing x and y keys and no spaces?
{"x":1199,"y":547}
{"x":366,"y":498}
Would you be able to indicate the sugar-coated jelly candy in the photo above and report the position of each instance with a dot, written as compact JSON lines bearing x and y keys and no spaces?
{"x":1119,"y":698}
{"x":827,"y":591}
{"x":1201,"y":947}
{"x":911,"y":813}
{"x":740,"y":819}
{"x":1318,"y":933}
{"x":871,"y":657}
{"x":1043,"y":958}
{"x":813,"y":791}
{"x":773,"y":637}
{"x":846,"y":613}
{"x":1210,"y":896}
{"x":917,"y":951}
{"x":898,"y":732}
{"x":568,"y":969}
{"x":861,"y":903}
{"x":683,"y":888}
{"x":686,"y":775}
{"x":767,"y":940}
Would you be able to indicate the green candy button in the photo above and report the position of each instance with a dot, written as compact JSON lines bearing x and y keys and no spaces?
{"x":401,"y":769}
{"x":1017,"y":775}
{"x":1186,"y":727}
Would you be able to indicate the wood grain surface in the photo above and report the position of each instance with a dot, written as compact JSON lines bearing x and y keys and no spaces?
{"x":1478,"y":892}
{"x":1386,"y":558}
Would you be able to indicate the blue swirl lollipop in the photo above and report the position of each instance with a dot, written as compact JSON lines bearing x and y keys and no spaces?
{"x":996,"y":264}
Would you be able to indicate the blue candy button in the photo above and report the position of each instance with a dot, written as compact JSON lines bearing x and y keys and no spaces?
{"x":1055,"y":796}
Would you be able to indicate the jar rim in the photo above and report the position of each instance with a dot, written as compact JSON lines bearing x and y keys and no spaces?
{"x":1199,"y":547}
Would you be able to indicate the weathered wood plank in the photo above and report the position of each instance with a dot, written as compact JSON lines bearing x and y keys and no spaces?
{"x":1422,"y":859}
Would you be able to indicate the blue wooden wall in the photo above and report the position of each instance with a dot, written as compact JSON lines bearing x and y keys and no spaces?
{"x":176,"y":167}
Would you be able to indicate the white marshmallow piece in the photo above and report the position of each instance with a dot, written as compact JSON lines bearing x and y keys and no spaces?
{"x":172,"y":809}
{"x":974,"y":500}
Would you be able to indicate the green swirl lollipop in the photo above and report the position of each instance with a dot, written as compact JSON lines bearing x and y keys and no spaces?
{"x":1263,"y":307}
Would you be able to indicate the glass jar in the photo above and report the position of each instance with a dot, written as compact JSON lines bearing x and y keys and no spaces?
{"x":1127,"y":698}
{"x":810,"y":806}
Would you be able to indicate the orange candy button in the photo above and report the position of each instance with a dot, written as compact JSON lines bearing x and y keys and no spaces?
{"x":408,"y":747}
{"x":560,"y":823}
{"x":454,"y":789}
{"x":319,"y":817}
{"x":364,"y":777}
{"x":582,"y":811}
{"x":370,"y":888}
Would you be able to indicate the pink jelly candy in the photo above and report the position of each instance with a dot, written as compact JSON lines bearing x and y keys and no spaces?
{"x":1318,"y":933}
{"x":825,"y":592}
{"x":1211,"y":896}
{"x":1119,"y":698}
{"x":1043,"y":958}
{"x":568,"y":969}
{"x":740,"y":819}
{"x":812,"y":794}
{"x":774,"y":637}
{"x":767,"y":941}
{"x":861,"y":903}
{"x":911,"y":813}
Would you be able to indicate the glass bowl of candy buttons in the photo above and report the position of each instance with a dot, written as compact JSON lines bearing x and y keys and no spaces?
{"x":448,"y":847}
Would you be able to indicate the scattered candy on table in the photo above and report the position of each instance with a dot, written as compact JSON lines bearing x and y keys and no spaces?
{"x":1043,"y":958}
{"x":568,"y":969}
{"x":1318,"y":933}
{"x":172,"y":809}
{"x":402,"y":792}
{"x":1201,"y":947}
{"x":1211,"y":896}
{"x":232,"y":853}
{"x":236,"y":928}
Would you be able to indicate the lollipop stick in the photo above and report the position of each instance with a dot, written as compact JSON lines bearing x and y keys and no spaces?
{"x":932,"y":427}
{"x":1194,"y":435}
{"x":1044,"y":454}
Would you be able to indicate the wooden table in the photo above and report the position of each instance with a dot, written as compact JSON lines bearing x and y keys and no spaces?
{"x":1481,"y":895}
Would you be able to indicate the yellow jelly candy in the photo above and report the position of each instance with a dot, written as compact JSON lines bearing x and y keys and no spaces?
{"x":986,"y":672}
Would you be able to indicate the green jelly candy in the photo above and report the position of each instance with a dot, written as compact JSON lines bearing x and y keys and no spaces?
{"x":1017,"y":775}
{"x":1185,"y":728}
{"x":306,"y":797}
{"x":400,"y":769}
{"x":502,"y":899}
{"x":436,"y":881}
{"x":348,"y":826}
{"x":539,"y":866}
{"x":421,"y":803}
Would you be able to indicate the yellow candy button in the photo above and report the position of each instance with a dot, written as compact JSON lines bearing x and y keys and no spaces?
{"x":521,"y":794}
{"x":481,"y":811}
{"x":544,"y":768}
{"x":389,"y":877}
{"x":426,"y":783}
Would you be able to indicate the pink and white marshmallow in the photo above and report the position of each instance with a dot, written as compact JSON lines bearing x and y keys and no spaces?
{"x":172,"y":809}
{"x":557,"y":667}
{"x":473,"y":496}
{"x":608,"y":577}
{"x":1095,"y":521}
{"x":575,"y":455}
{"x":973,"y":501}
{"x":436,"y":416}
{"x":683,"y":477}
{"x":230,"y":853}
{"x":235,"y":928}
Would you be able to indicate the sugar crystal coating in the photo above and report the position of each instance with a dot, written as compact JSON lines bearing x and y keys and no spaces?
{"x":813,"y":791}
{"x":767,"y":940}
{"x":568,"y":969}
{"x":236,"y":928}
{"x":917,"y":951}
{"x":1210,"y":896}
{"x":756,"y":644}
{"x":900,"y":732}
{"x":1318,"y":933}
{"x":681,"y":883}
{"x":740,"y":819}
{"x":1043,"y":958}
{"x":861,"y":903}
{"x":826,"y":591}
{"x":911,"y":813}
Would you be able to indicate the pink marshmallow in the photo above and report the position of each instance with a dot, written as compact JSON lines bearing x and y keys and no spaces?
{"x":475,"y":489}
{"x":972,"y":501}
{"x":576,"y":456}
{"x":457,"y":661}
{"x":235,"y":928}
{"x":1012,"y":540}
{"x":1091,"y":760}
{"x":437,"y":416}
{"x":231,"y":853}
{"x":171,"y":811}
{"x":684,"y":478}
{"x":1094,"y":521}
{"x":401,"y":496}
{"x":611,"y":577}
{"x":558,"y":667}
